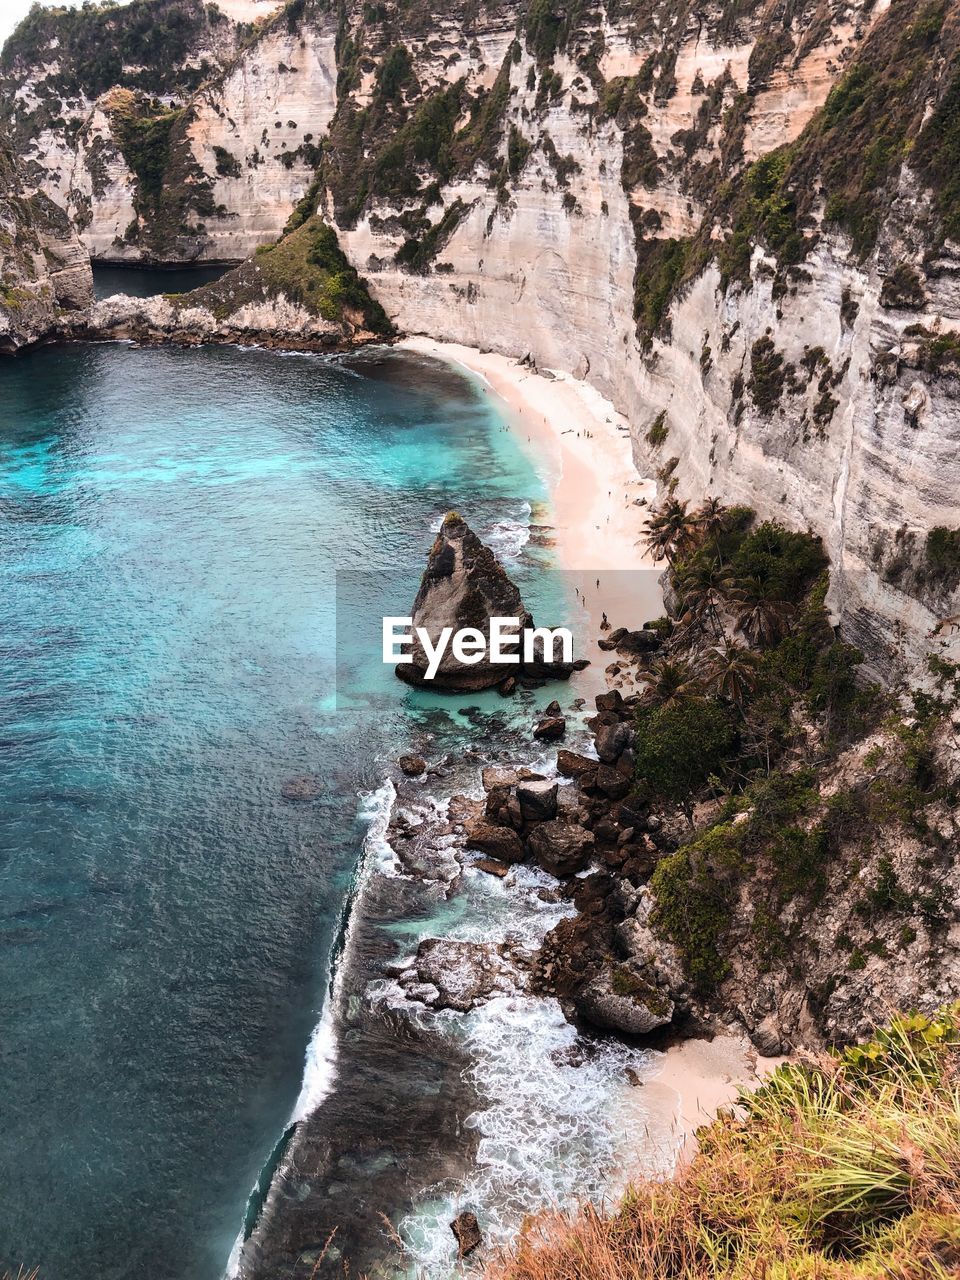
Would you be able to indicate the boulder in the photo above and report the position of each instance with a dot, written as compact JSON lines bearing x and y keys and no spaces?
{"x":638,"y":642}
{"x":613,"y":639}
{"x":612,"y":701}
{"x":619,"y":999}
{"x":501,"y":843}
{"x":465,"y":586}
{"x":560,"y":847}
{"x":550,"y":728}
{"x":464,"y":973}
{"x":492,"y":867}
{"x":538,"y":800}
{"x":572,"y":765}
{"x":554,"y":709}
{"x":495,"y":775}
{"x":611,"y":739}
{"x":611,"y":782}
{"x":466,"y":1229}
{"x":412,"y":766}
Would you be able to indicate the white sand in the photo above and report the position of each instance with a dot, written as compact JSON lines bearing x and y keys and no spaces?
{"x":598,"y":535}
{"x":594,"y":485}
{"x":700,"y":1077}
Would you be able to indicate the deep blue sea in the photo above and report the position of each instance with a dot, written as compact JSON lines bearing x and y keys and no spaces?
{"x":172,"y":524}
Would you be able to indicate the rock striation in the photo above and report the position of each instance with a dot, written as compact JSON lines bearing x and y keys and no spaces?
{"x":465,"y":586}
{"x":45,"y":279}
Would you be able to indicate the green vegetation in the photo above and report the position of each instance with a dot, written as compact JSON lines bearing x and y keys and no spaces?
{"x":943,"y":552}
{"x":843,"y":1169}
{"x":307,"y":266}
{"x":227,"y":164}
{"x":143,"y":136}
{"x":750,"y":697}
{"x":419,"y":253}
{"x":681,"y":743}
{"x":660,"y":266}
{"x":96,"y":41}
{"x":658,"y":430}
{"x":767,"y":375}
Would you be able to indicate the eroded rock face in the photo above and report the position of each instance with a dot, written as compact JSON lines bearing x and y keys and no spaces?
{"x":450,"y":974}
{"x":618,"y":999}
{"x":45,"y":271}
{"x":465,"y":586}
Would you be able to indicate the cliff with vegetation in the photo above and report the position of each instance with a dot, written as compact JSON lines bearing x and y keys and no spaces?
{"x":738,"y":221}
{"x":45,"y":281}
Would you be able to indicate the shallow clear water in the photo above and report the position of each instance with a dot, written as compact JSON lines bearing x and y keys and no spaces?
{"x":170,"y":526}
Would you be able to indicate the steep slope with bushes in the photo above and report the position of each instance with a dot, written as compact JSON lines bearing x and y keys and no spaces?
{"x":847,"y":1168}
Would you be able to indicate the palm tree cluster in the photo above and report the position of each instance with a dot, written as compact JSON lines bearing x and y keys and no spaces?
{"x":714,"y":604}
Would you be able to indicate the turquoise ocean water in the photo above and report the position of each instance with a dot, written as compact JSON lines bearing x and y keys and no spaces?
{"x":171,"y":524}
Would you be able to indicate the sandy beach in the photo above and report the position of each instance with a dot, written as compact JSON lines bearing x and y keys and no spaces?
{"x":699,"y":1077}
{"x":597,"y":522}
{"x":598,"y":533}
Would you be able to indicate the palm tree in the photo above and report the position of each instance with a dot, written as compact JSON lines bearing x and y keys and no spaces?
{"x":703,"y":586}
{"x":762,"y":617}
{"x":712,"y":518}
{"x":733,"y":673}
{"x":670,"y":530}
{"x":669,"y":679}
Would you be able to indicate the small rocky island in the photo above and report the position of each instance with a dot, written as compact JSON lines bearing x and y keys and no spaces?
{"x":464,"y":585}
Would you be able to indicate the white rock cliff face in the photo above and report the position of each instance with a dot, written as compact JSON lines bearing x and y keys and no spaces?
{"x":860,"y":444}
{"x":268,"y":115}
{"x":550,"y":274}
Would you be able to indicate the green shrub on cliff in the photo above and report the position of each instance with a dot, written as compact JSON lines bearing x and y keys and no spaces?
{"x":847,"y":1168}
{"x":679,"y":745}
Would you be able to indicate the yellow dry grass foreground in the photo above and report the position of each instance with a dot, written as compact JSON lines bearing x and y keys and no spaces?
{"x":842,"y":1169}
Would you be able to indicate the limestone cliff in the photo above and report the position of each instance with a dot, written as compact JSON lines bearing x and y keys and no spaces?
{"x":737,"y":220}
{"x":44,"y":273}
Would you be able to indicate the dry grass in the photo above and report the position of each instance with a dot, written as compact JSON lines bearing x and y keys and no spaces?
{"x":847,"y":1169}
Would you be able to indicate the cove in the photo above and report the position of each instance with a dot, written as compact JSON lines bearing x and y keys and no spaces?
{"x":171,"y":527}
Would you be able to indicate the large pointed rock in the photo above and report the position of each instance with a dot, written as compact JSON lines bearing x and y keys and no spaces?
{"x":464,"y":585}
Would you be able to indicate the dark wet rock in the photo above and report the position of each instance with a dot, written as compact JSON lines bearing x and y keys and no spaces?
{"x":501,"y":843}
{"x":507,"y":688}
{"x":618,"y":999}
{"x":467,"y":1232}
{"x":611,"y":740}
{"x":638,"y":642}
{"x":412,"y":766}
{"x":538,"y":800}
{"x":550,"y":728}
{"x":554,"y":709}
{"x":572,"y":765}
{"x":561,"y":848}
{"x":465,"y":974}
{"x":611,"y":782}
{"x":493,"y":867}
{"x":465,"y":586}
{"x":305,"y":786}
{"x":612,"y":640}
{"x":612,"y":701}
{"x":606,"y":831}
